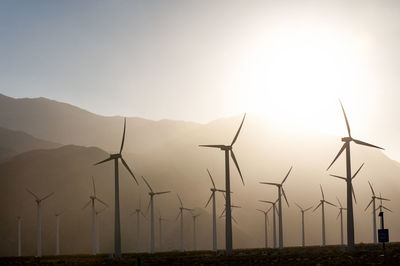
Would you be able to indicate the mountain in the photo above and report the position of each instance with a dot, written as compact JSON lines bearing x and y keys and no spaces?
{"x":15,"y":142}
{"x":64,"y":123}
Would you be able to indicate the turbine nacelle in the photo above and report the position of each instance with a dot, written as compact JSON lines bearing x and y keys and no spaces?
{"x":347,"y":139}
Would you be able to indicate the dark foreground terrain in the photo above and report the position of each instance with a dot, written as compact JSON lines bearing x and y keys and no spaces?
{"x":365,"y":254}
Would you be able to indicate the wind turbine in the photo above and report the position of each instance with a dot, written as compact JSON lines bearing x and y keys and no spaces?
{"x":322,"y":204}
{"x":58,"y":232}
{"x":381,"y":207}
{"x":275,"y":210}
{"x":117,"y":226}
{"x":228,"y":149}
{"x":373,"y":211}
{"x":341,"y":220}
{"x":346,"y":146}
{"x":19,"y":235}
{"x":194,"y":216}
{"x":303,"y":242}
{"x":98,"y":230}
{"x":39,"y":229}
{"x":92,"y":199}
{"x":151,"y":205}
{"x":160,"y":220}
{"x":181,"y":209}
{"x":138,"y":212}
{"x":212,"y":197}
{"x":280,"y":191}
{"x":265,"y":224}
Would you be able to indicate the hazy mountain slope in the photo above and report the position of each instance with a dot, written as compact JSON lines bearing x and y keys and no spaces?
{"x":15,"y":142}
{"x":67,"y":124}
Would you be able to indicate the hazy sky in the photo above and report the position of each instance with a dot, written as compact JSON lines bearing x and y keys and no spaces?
{"x":200,"y":60}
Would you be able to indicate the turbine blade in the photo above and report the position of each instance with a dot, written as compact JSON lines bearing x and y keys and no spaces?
{"x":212,"y":146}
{"x":330,"y":203}
{"x":298,"y":206}
{"x":237,"y":165}
{"x":147,"y":184}
{"x":85,"y":206}
{"x":345,"y":117}
{"x":357,"y":171}
{"x":94,"y":187}
{"x":338,"y":215}
{"x":341,"y":177}
{"x":382,"y":198}
{"x":340,"y":204}
{"x":322,"y":192}
{"x":33,"y":194}
{"x":179,"y":198}
{"x":287,"y":175}
{"x":48,"y":196}
{"x":237,"y":133}
{"x":123,"y":137}
{"x":368,"y":204}
{"x":178,"y":216}
{"x":233,"y":218}
{"x":386,"y":208}
{"x":209,"y":200}
{"x":129,"y":170}
{"x":223,"y":212}
{"x":143,"y":214}
{"x":266,"y":201}
{"x":284,"y":195}
{"x":354,"y":194}
{"x":212,"y":181}
{"x":308,"y":209}
{"x":105,"y":160}
{"x":269,"y":209}
{"x":317,"y":207}
{"x":260,"y":211}
{"x":337,"y":156}
{"x":269,"y":183}
{"x":99,"y":200}
{"x":162,"y":192}
{"x":366,"y":144}
{"x":235,"y":206}
{"x":148,"y":207}
{"x":373,"y":192}
{"x":221,"y":190}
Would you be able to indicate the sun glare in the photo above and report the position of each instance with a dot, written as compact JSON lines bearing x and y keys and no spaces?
{"x":296,"y":76}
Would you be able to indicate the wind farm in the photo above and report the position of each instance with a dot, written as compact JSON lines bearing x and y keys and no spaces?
{"x":157,"y":89}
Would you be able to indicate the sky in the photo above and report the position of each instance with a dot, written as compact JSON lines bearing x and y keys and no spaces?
{"x":200,"y":60}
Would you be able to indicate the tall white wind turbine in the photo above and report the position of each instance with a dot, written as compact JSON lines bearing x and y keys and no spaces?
{"x":117,"y":224}
{"x":322,"y":204}
{"x":280,"y":191}
{"x":151,"y":205}
{"x":92,"y":199}
{"x":265,"y":224}
{"x":39,"y":228}
{"x":228,"y":149}
{"x":138,"y":212}
{"x":214,"y":214}
{"x":274,"y":211}
{"x":340,"y":214}
{"x":373,"y":198}
{"x":303,"y":242}
{"x":349,"y":189}
{"x":181,"y":209}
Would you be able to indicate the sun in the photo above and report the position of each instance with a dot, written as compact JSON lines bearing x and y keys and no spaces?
{"x":297,"y":75}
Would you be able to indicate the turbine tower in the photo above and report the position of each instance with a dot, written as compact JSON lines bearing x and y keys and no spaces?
{"x":303,"y":242}
{"x":138,"y":212}
{"x":194,"y":231}
{"x":228,"y":149}
{"x":160,"y":220}
{"x":151,"y":205}
{"x":19,"y":235}
{"x":275,"y":210}
{"x":98,"y":229}
{"x":346,"y":146}
{"x":373,"y":211}
{"x":117,"y":226}
{"x":265,"y":224}
{"x":58,"y":232}
{"x":322,"y":204}
{"x":280,"y":191}
{"x":341,"y":221}
{"x":212,"y":197}
{"x":92,"y":199}
{"x":181,"y":209}
{"x":39,"y":229}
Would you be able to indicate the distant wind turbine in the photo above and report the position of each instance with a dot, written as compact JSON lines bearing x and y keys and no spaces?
{"x":194,"y":216}
{"x":346,"y":146}
{"x":265,"y":224}
{"x":92,"y":199}
{"x":117,"y":226}
{"x":381,"y":207}
{"x":58,"y":232}
{"x":151,"y":205}
{"x":275,"y":210}
{"x":19,"y":236}
{"x":374,"y":211}
{"x":341,"y":220}
{"x":303,"y":242}
{"x":39,"y":229}
{"x":212,"y":197}
{"x":280,"y":191}
{"x":138,"y":212}
{"x":322,"y":204}
{"x":228,"y":219}
{"x":181,"y":209}
{"x":160,"y":220}
{"x":98,"y":229}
